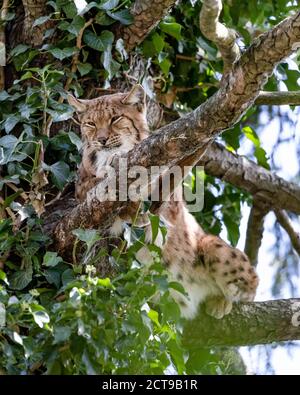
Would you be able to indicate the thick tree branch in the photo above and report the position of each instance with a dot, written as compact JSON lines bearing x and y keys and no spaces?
{"x":255,"y":230}
{"x":146,"y":15}
{"x":284,"y":221}
{"x":247,"y":175}
{"x":278,"y":98}
{"x":247,"y":324}
{"x":194,"y":132}
{"x":223,"y":37}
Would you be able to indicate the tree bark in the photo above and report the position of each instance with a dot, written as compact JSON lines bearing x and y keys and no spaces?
{"x":247,"y":324}
{"x":247,"y":175}
{"x":146,"y":15}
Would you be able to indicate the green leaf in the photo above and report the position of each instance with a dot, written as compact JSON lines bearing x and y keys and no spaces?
{"x":75,"y":140}
{"x":123,"y":16}
{"x":19,"y":280}
{"x":153,"y":315}
{"x":165,"y":65}
{"x":105,"y":282}
{"x":109,"y":64}
{"x":61,"y":334}
{"x":60,"y":173}
{"x":88,"y":236}
{"x":41,"y":318}
{"x":251,"y":135}
{"x":41,"y":20}
{"x":11,"y":122}
{"x":171,"y":28}
{"x":2,"y":315}
{"x":99,"y":43}
{"x":154,"y":219}
{"x":53,"y":277}
{"x":51,"y":259}
{"x":3,"y":277}
{"x":21,"y":48}
{"x":262,"y":158}
{"x":84,"y":68}
{"x":62,"y":53}
{"x":109,"y":4}
{"x":233,"y":230}
{"x":158,"y":42}
{"x":76,"y":25}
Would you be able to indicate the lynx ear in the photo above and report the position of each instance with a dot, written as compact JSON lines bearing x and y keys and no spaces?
{"x":137,"y":95}
{"x":78,"y":104}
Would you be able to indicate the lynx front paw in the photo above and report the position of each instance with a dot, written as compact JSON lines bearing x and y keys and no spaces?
{"x":218,"y":306}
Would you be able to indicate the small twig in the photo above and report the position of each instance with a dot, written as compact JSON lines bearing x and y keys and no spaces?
{"x":278,"y":98}
{"x":16,"y":189}
{"x":285,"y":223}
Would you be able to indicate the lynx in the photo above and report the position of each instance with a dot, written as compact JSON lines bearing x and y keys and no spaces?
{"x":210,"y":270}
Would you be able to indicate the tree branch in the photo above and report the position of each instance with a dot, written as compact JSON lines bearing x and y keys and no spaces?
{"x":193,"y":133}
{"x":285,"y":223}
{"x":223,"y":37}
{"x":278,"y":98}
{"x":247,"y":175}
{"x":255,"y":230}
{"x":247,"y":324}
{"x":146,"y":15}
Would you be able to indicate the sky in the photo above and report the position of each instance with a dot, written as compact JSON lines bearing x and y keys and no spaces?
{"x":284,"y":360}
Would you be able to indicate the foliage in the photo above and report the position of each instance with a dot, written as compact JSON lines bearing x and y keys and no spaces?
{"x":58,"y":316}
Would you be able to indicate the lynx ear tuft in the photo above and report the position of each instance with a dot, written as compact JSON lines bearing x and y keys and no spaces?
{"x":78,"y":104}
{"x":137,"y":95}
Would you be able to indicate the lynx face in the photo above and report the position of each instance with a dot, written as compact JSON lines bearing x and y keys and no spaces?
{"x":110,"y":125}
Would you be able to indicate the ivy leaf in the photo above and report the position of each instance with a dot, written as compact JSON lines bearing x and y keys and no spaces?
{"x":41,"y":318}
{"x":84,"y":68}
{"x":251,"y":135}
{"x":19,"y":280}
{"x":99,"y":43}
{"x":109,"y":4}
{"x":88,"y":236}
{"x":51,"y":259}
{"x":154,"y":219}
{"x":158,"y":42}
{"x":110,"y":65}
{"x":153,"y":315}
{"x":75,"y":140}
{"x":171,"y":28}
{"x":41,"y":20}
{"x":60,"y":173}
{"x":61,"y":334}
{"x":122,"y":16}
{"x":2,"y":315}
{"x":233,"y":230}
{"x":11,"y":122}
{"x":261,"y":156}
{"x":21,"y":48}
{"x":62,"y":53}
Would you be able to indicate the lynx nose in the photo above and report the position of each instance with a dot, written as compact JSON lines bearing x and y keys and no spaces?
{"x":103,"y":140}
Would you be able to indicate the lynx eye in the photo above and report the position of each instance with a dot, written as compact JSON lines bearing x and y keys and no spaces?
{"x":90,"y":125}
{"x":114,"y":120}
